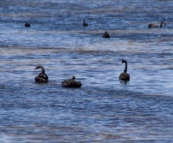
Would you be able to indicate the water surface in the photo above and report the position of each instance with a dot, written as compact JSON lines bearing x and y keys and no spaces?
{"x":104,"y":109}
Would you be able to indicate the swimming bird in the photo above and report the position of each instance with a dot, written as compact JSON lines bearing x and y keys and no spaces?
{"x":27,"y":24}
{"x":156,"y":26}
{"x":42,"y":77}
{"x":71,"y":83}
{"x":84,"y":23}
{"x":124,"y":75}
{"x":106,"y":35}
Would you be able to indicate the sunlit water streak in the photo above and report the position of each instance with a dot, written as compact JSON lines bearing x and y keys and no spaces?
{"x":104,"y":109}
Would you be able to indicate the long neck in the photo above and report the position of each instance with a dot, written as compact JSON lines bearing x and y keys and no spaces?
{"x":161,"y":24}
{"x":125,"y":68}
{"x":42,"y":69}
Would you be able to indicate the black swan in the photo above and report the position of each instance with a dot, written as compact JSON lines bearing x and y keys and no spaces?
{"x":71,"y":83}
{"x":27,"y":24}
{"x":42,"y":77}
{"x":106,"y":35}
{"x":84,"y":23}
{"x":124,"y":75}
{"x":156,"y":26}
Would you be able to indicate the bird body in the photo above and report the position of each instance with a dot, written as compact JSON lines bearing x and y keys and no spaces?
{"x":84,"y":23}
{"x":106,"y":35}
{"x":156,"y":26}
{"x":71,"y":83}
{"x":124,"y":75}
{"x":42,"y":77}
{"x":27,"y":24}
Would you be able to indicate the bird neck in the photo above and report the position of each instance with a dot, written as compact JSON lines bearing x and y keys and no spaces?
{"x":161,"y":24}
{"x":125,"y":68}
{"x":84,"y":23}
{"x":42,"y":70}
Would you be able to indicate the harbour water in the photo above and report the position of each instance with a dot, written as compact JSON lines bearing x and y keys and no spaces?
{"x":103,"y":109}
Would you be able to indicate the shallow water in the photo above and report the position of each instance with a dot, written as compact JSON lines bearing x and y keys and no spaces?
{"x":104,"y":109}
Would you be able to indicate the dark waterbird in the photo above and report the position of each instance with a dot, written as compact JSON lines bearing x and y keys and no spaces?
{"x":156,"y":26}
{"x":71,"y":83}
{"x":84,"y":23}
{"x":42,"y":77}
{"x":124,"y":75}
{"x":106,"y":35}
{"x":27,"y":24}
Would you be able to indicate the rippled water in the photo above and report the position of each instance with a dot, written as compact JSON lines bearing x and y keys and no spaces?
{"x":104,"y":109}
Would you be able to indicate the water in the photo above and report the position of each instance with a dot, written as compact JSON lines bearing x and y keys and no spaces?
{"x":104,"y":109}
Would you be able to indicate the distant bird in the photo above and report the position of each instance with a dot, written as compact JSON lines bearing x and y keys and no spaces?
{"x":106,"y":35}
{"x":42,"y":77}
{"x":84,"y":23}
{"x":156,"y":26}
{"x":124,"y":75}
{"x":27,"y":24}
{"x":71,"y":83}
